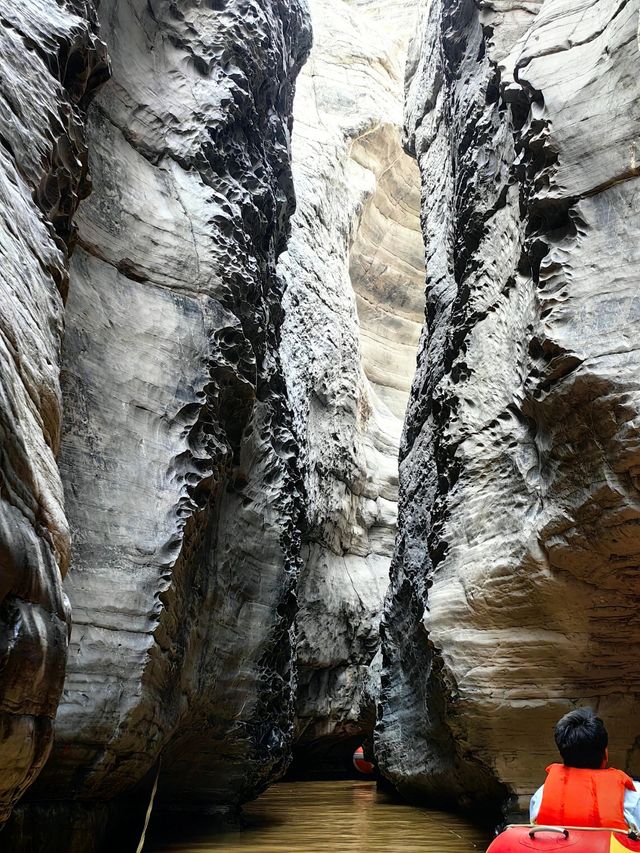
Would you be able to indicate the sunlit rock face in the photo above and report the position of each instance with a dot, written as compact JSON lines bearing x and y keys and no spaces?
{"x":50,"y":61}
{"x":354,"y":276}
{"x":177,"y":456}
{"x":515,"y":587}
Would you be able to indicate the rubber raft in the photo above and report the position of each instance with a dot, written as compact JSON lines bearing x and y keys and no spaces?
{"x":522,"y":839}
{"x":361,"y":764}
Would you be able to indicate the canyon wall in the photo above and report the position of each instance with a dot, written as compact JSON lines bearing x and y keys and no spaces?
{"x":179,"y":465}
{"x":226,"y":432}
{"x":50,"y":61}
{"x":514,"y":591}
{"x":354,"y":273}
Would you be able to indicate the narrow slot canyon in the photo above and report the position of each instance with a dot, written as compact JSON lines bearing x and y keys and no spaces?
{"x":319,"y":414}
{"x":353,"y":276}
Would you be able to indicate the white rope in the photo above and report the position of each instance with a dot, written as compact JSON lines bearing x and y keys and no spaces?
{"x":149,"y":810}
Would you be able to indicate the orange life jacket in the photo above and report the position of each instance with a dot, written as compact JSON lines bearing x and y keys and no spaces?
{"x":576,"y":796}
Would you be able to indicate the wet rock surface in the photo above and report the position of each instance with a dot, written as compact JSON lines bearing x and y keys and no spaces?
{"x":514,"y":584}
{"x":51,"y":59}
{"x":354,"y":274}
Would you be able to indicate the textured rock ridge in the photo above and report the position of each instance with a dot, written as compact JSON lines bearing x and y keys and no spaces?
{"x":354,"y":272}
{"x":178,"y":461}
{"x":514,"y":584}
{"x":50,"y":61}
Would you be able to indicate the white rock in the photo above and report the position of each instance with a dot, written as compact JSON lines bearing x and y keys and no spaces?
{"x":354,"y":272}
{"x":177,"y":456}
{"x":514,"y":589}
{"x":50,"y":59}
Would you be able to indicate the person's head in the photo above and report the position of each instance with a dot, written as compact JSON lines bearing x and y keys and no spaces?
{"x":582,"y":739}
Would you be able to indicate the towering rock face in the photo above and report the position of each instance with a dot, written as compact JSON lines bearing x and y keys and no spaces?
{"x":50,"y":60}
{"x":515,"y":589}
{"x":354,"y":273}
{"x":177,"y":457}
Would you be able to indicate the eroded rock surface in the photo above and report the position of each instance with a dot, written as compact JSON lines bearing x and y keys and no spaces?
{"x":354,"y":273}
{"x":515,"y":586}
{"x":50,"y":61}
{"x":177,"y":457}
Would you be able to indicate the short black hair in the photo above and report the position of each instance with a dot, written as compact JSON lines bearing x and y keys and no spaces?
{"x":582,"y":739}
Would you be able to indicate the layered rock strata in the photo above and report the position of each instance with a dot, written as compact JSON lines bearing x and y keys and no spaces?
{"x":50,"y":61}
{"x":179,"y":465}
{"x":354,"y":272}
{"x":515,"y":589}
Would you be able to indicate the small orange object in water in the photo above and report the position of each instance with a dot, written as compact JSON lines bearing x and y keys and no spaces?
{"x":361,"y":764}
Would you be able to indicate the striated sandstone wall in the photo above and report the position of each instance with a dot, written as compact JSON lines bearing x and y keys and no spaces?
{"x":177,"y":456}
{"x":354,"y":274}
{"x":50,"y":61}
{"x":515,"y":586}
{"x":179,"y":465}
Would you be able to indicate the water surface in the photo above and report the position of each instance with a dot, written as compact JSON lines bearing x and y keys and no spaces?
{"x":332,"y":817}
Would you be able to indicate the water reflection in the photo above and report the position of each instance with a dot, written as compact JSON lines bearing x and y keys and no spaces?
{"x":332,"y":817}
